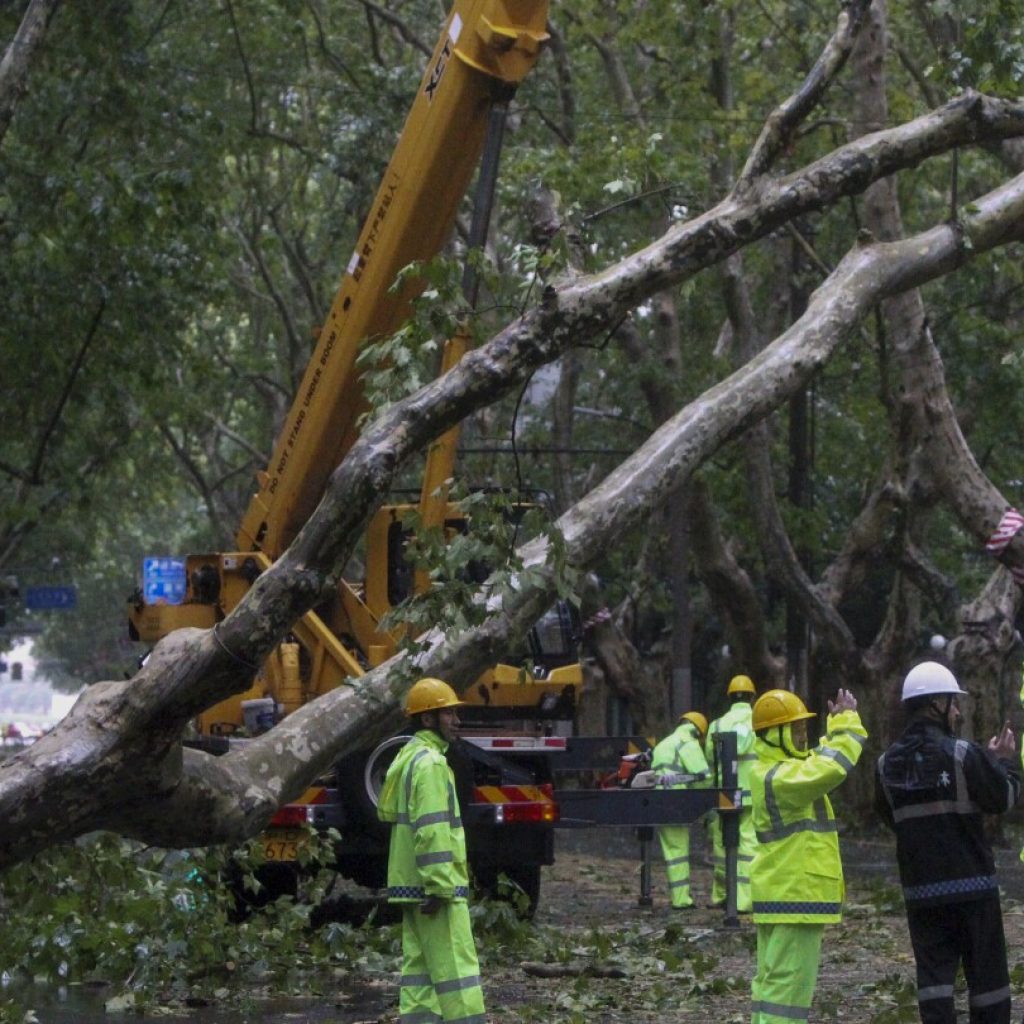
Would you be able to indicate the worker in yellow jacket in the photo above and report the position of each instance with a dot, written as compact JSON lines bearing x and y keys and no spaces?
{"x":678,"y":763}
{"x":427,"y":870}
{"x":737,"y":719}
{"x":797,"y":875}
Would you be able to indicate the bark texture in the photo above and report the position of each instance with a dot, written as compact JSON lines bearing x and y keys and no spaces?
{"x":17,"y":59}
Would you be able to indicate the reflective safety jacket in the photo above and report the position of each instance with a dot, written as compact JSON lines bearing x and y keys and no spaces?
{"x":678,"y":760}
{"x":797,"y":876}
{"x":738,"y":719}
{"x":427,"y":856}
{"x":933,"y":788}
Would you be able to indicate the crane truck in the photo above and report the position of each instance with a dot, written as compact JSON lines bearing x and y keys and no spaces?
{"x":517,"y":725}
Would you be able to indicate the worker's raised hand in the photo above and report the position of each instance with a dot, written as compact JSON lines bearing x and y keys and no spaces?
{"x":1003,"y":744}
{"x":845,"y":701}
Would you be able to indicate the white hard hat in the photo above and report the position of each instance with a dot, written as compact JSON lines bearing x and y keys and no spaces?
{"x":929,"y":678}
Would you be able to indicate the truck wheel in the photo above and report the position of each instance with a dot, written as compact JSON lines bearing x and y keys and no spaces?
{"x":377,"y":765}
{"x":352,"y":775}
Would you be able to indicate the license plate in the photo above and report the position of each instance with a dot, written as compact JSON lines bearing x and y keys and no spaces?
{"x":283,"y":844}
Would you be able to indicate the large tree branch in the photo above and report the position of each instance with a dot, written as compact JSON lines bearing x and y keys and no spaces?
{"x":865,"y":536}
{"x":731,"y":589}
{"x":780,"y":126}
{"x":778,"y":550}
{"x":85,"y":761}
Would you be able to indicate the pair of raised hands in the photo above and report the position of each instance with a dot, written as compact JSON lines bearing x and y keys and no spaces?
{"x":1003,"y":744}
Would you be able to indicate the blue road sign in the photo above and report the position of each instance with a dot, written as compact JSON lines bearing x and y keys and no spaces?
{"x":163,"y":580}
{"x":50,"y":598}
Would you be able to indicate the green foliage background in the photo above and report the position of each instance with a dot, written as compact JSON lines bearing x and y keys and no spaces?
{"x":181,"y":187}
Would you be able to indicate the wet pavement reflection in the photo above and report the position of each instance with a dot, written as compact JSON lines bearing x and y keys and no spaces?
{"x":83,"y":1004}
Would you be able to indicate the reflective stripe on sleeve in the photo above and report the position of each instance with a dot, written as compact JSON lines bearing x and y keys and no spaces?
{"x":849,"y":733}
{"x":838,"y":756}
{"x":441,"y":857}
{"x":410,"y":768}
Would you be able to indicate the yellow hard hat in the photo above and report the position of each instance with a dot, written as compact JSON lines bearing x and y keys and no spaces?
{"x":698,"y":720}
{"x":778,"y":707}
{"x":741,"y":684}
{"x":431,"y":695}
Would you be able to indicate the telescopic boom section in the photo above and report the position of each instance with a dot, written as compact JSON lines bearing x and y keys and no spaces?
{"x":485,"y":50}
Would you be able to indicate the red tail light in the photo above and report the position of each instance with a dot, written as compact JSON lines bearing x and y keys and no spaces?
{"x":531,"y":813}
{"x":300,"y":812}
{"x":519,"y":805}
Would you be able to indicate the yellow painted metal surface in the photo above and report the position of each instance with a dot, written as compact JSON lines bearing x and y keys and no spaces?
{"x":485,"y":47}
{"x":484,"y":42}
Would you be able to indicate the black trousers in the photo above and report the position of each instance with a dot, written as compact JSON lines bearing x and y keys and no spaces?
{"x":946,"y":936}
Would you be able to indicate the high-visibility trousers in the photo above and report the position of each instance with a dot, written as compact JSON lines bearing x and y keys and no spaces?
{"x":440,"y":971}
{"x":744,"y":858}
{"x":675,"y":848}
{"x":787,"y":972}
{"x":971,"y":933}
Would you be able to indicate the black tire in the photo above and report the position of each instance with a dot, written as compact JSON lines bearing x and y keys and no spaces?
{"x":362,"y":854}
{"x":358,"y":779}
{"x":376,"y":768}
